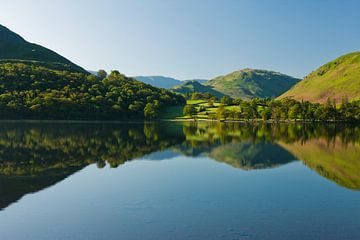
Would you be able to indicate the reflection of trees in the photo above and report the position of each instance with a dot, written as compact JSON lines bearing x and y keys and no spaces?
{"x":47,"y":149}
{"x":33,"y":149}
{"x":200,"y":132}
{"x":333,"y":151}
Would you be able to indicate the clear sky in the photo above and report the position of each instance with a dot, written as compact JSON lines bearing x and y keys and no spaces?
{"x":190,"y":38}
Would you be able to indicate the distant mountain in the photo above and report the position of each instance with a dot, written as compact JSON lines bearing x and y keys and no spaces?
{"x":14,"y":47}
{"x":159,"y":81}
{"x":251,"y":83}
{"x":164,"y":82}
{"x":194,"y":86}
{"x":335,"y":80}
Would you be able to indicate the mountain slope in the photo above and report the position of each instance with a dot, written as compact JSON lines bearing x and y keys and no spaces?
{"x":195,"y":86}
{"x":14,"y":47}
{"x":159,"y":81}
{"x":251,"y":83}
{"x":335,"y":80}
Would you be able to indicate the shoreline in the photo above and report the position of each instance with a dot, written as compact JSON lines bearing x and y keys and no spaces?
{"x":141,"y":121}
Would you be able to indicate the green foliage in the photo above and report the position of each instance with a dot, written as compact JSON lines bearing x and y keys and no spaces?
{"x":281,"y":110}
{"x":190,"y":110}
{"x":32,"y":90}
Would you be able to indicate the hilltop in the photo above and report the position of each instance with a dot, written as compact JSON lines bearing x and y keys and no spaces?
{"x":252,"y":83}
{"x":337,"y":79}
{"x":14,"y":47}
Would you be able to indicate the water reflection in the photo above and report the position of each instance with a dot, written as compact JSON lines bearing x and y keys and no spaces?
{"x":34,"y":156}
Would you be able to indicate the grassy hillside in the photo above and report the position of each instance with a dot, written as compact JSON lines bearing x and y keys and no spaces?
{"x":335,"y":80}
{"x":14,"y":47}
{"x":194,"y":86}
{"x":251,"y":83}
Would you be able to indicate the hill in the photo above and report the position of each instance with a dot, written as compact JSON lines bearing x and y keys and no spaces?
{"x":252,"y":83}
{"x":37,"y":90}
{"x":159,"y":81}
{"x":14,"y":47}
{"x":335,"y":80}
{"x":194,"y":86}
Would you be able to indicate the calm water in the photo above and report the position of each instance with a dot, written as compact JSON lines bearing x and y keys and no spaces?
{"x":179,"y":181}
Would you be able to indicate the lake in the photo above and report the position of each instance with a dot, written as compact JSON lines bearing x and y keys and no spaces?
{"x":187,"y":180}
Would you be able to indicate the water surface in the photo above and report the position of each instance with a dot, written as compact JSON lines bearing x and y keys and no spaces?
{"x":179,"y":181}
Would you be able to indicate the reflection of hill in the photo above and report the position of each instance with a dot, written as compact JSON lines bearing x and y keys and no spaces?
{"x":333,"y":160}
{"x":246,"y":155}
{"x":36,"y":156}
{"x":13,"y":188}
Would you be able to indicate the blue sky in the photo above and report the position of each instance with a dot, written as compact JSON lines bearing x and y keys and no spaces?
{"x":187,"y":38}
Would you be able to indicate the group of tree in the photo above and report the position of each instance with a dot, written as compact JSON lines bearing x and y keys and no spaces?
{"x":32,"y":90}
{"x":280,"y":110}
{"x":200,"y":96}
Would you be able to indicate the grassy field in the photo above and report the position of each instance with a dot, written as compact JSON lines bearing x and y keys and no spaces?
{"x":176,"y":112}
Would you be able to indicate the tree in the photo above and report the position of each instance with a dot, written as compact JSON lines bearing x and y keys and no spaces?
{"x":189,"y":110}
{"x":225,"y":100}
{"x":102,"y":74}
{"x":266,"y":114}
{"x":294,"y":111}
{"x":211,"y":103}
{"x":150,"y":111}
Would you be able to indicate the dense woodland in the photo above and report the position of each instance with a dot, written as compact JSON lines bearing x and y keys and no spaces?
{"x":32,"y":90}
{"x":275,"y":110}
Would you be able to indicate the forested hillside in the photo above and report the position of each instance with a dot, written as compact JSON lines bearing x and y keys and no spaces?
{"x":34,"y":90}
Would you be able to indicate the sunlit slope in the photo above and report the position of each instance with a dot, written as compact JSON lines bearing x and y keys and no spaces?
{"x":335,"y":80}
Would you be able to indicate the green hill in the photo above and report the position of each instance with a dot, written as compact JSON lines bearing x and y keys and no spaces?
{"x":37,"y":83}
{"x":251,"y":83}
{"x":194,"y":86}
{"x":36,"y":90}
{"x":335,"y":80}
{"x":14,"y":47}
